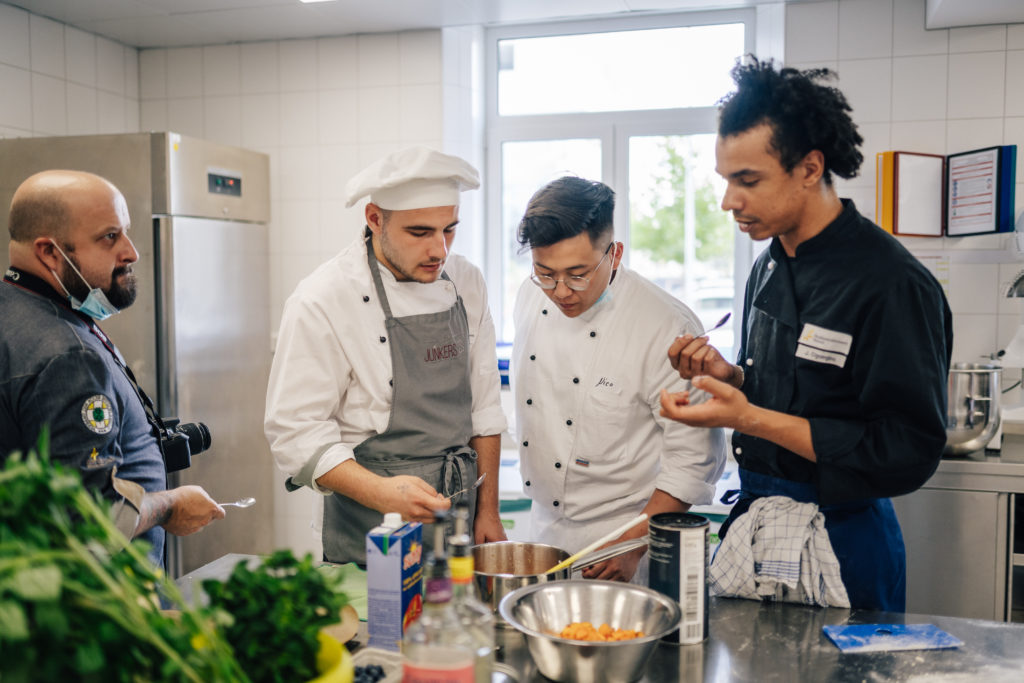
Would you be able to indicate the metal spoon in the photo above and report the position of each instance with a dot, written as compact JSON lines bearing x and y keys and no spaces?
{"x":241,"y":503}
{"x":724,"y":320}
{"x":469,"y":488}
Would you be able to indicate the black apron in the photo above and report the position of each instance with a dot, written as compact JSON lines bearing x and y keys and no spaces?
{"x":430,"y":425}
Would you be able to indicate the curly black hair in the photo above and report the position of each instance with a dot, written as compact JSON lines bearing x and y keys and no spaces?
{"x":564,"y":208}
{"x":804,"y":115}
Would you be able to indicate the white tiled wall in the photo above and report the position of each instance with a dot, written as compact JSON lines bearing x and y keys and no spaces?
{"x":462,"y":82}
{"x":320,"y":108}
{"x":58,"y":80}
{"x":939,"y":91}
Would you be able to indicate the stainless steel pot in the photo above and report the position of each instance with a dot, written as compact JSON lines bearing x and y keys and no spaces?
{"x":503,"y":567}
{"x":972,"y":414}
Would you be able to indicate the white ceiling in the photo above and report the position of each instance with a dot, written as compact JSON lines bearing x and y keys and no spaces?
{"x":172,"y":23}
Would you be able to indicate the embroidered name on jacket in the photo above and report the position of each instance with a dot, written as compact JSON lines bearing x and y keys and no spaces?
{"x":823,"y":346}
{"x":436,"y":354}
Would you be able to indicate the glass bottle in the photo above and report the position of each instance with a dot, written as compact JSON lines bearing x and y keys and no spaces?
{"x":436,"y":649}
{"x":475,"y":617}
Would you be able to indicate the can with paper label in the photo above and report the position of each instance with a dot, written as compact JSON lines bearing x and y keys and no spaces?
{"x":679,"y":563}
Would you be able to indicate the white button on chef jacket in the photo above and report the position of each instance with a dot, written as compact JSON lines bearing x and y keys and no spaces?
{"x":618,"y":448}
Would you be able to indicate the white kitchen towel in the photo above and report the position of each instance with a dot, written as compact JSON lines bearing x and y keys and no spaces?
{"x":779,"y":551}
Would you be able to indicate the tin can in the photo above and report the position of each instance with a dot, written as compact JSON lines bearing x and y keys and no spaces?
{"x":679,"y":563}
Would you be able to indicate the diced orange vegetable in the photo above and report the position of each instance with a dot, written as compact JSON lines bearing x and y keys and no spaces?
{"x":584,"y":630}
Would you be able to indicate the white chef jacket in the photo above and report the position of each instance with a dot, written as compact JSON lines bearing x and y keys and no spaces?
{"x":330,"y":380}
{"x":592,"y":443}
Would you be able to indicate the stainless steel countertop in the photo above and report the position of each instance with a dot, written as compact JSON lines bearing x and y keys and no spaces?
{"x":751,"y":641}
{"x":979,"y":472}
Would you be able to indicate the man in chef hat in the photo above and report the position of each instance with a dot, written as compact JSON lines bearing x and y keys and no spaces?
{"x":589,"y":363}
{"x":383,"y":393}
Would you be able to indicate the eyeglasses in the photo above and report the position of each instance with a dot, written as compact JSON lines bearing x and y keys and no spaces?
{"x":576,"y":283}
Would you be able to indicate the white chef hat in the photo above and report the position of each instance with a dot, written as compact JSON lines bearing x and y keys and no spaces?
{"x":413,"y":178}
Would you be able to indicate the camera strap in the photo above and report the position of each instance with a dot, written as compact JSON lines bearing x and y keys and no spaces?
{"x":147,"y":403}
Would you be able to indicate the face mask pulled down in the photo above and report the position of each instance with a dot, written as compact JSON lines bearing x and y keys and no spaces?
{"x":96,"y":304}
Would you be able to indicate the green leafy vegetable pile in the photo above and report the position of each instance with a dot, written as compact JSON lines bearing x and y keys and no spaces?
{"x":77,"y":601}
{"x":276,"y":611}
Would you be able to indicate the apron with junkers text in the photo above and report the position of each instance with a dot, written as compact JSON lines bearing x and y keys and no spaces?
{"x":430,"y":425}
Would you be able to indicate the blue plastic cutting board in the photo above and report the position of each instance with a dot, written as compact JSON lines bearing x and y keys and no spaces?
{"x":890,"y":637}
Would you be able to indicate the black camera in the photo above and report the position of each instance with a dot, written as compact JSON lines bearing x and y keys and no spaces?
{"x":179,"y":442}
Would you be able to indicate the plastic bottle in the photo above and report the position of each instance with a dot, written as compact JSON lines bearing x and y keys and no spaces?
{"x":475,"y":616}
{"x":436,"y":648}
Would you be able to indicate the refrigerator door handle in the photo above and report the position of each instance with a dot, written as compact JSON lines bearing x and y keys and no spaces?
{"x":166,"y":354}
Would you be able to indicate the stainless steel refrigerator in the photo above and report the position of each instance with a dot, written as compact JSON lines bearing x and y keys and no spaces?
{"x":198,"y":336}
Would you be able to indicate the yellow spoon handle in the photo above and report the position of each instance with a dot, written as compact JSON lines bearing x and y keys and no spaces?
{"x":567,"y":562}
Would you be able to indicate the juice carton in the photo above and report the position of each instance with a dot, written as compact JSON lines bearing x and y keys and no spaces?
{"x":394,"y":574}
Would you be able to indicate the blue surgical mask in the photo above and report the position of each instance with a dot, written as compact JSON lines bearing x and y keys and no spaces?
{"x":606,"y":295}
{"x":96,"y":304}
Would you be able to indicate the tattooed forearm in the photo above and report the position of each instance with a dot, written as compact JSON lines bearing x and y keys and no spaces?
{"x":156,"y":510}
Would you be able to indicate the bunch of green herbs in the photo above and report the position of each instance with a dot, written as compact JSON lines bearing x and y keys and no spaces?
{"x":78,"y":601}
{"x":276,"y":610}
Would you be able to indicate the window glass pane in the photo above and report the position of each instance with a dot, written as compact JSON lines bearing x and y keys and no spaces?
{"x":525,"y":168}
{"x":621,"y":70}
{"x":679,"y":236}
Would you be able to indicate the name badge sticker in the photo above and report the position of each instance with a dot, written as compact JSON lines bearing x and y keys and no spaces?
{"x":822,"y":345}
{"x":811,"y":354}
{"x":826,"y":340}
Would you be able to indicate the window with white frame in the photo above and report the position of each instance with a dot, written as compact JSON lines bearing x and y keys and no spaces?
{"x":630,"y":102}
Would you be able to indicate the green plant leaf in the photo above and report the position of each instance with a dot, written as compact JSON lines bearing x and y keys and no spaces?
{"x":13,"y":623}
{"x":89,"y":657}
{"x":37,"y":583}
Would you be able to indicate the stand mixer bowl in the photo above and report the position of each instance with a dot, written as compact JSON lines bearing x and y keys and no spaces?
{"x":972,"y":413}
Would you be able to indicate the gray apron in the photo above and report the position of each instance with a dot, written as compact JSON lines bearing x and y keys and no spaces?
{"x":430,"y":425}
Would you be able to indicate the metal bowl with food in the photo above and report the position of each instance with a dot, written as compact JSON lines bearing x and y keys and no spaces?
{"x":541,"y":611}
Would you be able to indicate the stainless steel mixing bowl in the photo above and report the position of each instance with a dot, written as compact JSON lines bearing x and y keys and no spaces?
{"x":542,"y":610}
{"x":972,"y":415}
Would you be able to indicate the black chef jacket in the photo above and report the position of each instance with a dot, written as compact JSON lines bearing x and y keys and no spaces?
{"x":855,"y":335}
{"x":58,"y":368}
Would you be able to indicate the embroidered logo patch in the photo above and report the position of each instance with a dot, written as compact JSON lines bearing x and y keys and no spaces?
{"x":97,"y":414}
{"x":441,"y":352}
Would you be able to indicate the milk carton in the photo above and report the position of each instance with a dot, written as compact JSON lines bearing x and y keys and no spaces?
{"x":394,"y":574}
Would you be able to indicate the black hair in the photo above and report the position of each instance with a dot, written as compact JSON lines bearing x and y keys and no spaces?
{"x":564,"y":208}
{"x":804,"y":115}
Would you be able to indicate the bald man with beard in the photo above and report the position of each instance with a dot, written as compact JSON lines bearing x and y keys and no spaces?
{"x":71,"y":266}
